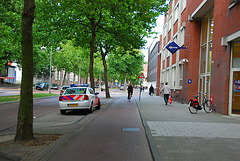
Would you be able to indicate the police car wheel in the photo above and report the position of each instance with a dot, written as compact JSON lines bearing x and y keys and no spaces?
{"x":62,"y":112}
{"x":99,"y":105}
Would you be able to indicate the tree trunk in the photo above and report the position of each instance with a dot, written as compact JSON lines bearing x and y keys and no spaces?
{"x":25,"y":113}
{"x":105,"y":76}
{"x":86,"y":78}
{"x":74,"y":75}
{"x":64,"y":77}
{"x":125,"y":80}
{"x":58,"y":81}
{"x":91,"y":55}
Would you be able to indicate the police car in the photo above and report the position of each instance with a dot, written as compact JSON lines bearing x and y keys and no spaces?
{"x":79,"y":96}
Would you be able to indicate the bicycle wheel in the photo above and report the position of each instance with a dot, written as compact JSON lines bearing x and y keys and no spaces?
{"x":207,"y":106}
{"x":191,"y":109}
{"x":180,"y":100}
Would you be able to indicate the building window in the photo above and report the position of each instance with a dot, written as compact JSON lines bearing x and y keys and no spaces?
{"x":203,"y":59}
{"x":206,"y":45}
{"x":176,"y":14}
{"x":170,"y":24}
{"x":174,"y":73}
{"x":236,"y":55}
{"x":184,"y":3}
{"x":168,"y":74}
{"x":180,"y":75}
{"x":162,"y":77}
{"x":182,"y":36}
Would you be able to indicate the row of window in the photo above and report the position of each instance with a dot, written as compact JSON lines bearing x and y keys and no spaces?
{"x":173,"y":75}
{"x":58,"y":76}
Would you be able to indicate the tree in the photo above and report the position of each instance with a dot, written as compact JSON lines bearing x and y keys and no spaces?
{"x":89,"y":20}
{"x":128,"y":64}
{"x":25,"y":112}
{"x":10,"y":27}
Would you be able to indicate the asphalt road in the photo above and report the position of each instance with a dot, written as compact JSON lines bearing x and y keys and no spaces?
{"x":117,"y":134}
{"x":9,"y":111}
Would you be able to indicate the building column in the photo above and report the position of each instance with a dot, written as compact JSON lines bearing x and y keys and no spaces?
{"x":158,"y":75}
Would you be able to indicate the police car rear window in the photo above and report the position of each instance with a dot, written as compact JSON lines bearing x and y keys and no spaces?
{"x":75,"y":91}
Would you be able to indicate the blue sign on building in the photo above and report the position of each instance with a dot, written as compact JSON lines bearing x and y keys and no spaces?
{"x":173,"y":47}
{"x":189,"y":81}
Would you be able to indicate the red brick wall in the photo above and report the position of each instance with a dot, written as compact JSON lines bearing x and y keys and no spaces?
{"x":160,"y":43}
{"x":191,"y":69}
{"x":170,"y":10}
{"x":168,"y":62}
{"x":176,"y":2}
{"x":164,"y":42}
{"x":226,"y":22}
{"x":175,"y":27}
{"x":174,"y":58}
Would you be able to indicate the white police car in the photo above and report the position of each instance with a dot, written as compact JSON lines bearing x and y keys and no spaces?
{"x":79,"y":96}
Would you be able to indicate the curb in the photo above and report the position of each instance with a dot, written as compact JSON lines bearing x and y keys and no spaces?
{"x":47,"y":153}
{"x":19,"y":100}
{"x":152,"y":145}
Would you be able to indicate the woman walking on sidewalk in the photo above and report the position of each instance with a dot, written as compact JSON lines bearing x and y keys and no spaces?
{"x":166,"y":92}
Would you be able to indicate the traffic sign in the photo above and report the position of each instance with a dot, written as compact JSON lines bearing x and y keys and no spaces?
{"x":173,"y":47}
{"x":189,"y":81}
{"x":141,"y":76}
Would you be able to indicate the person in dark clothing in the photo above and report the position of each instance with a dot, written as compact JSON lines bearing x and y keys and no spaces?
{"x":151,"y":90}
{"x":130,"y":89}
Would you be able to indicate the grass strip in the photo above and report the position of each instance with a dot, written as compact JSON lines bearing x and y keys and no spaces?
{"x":17,"y":97}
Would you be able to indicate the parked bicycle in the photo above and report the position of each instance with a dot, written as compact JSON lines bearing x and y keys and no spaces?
{"x":194,"y":106}
{"x":177,"y":97}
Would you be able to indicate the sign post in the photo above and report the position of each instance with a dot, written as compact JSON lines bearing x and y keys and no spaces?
{"x":141,"y":78}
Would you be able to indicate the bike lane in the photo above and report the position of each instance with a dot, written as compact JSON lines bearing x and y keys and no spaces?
{"x":116,"y":134}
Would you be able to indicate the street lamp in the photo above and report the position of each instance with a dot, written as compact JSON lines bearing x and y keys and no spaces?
{"x":43,"y":48}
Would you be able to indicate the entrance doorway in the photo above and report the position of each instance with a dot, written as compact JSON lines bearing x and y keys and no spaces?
{"x":235,"y":79}
{"x":236,"y":93}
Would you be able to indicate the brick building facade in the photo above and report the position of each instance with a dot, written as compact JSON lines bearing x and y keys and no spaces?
{"x":211,"y":64}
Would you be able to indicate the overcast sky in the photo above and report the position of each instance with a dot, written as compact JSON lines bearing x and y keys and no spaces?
{"x":158,"y":28}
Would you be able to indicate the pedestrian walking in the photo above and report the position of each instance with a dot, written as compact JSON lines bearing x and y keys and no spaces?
{"x":151,"y":90}
{"x":166,"y":92}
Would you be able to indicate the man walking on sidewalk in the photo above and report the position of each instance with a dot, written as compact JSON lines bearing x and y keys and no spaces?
{"x":166,"y":92}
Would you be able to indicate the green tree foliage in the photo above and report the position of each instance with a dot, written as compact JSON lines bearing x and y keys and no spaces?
{"x":126,"y":65}
{"x":71,"y":58}
{"x":10,"y":35}
{"x":88,"y":20}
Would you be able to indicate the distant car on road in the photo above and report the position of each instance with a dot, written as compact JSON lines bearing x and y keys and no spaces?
{"x":76,"y":98}
{"x":54,"y":86}
{"x":63,"y":89}
{"x":41,"y":86}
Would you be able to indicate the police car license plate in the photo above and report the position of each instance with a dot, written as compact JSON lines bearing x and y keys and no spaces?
{"x":72,"y":105}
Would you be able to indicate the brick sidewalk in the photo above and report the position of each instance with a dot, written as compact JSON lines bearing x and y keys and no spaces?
{"x":179,"y":135}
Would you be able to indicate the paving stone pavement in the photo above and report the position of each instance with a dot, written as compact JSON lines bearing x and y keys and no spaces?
{"x":179,"y":135}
